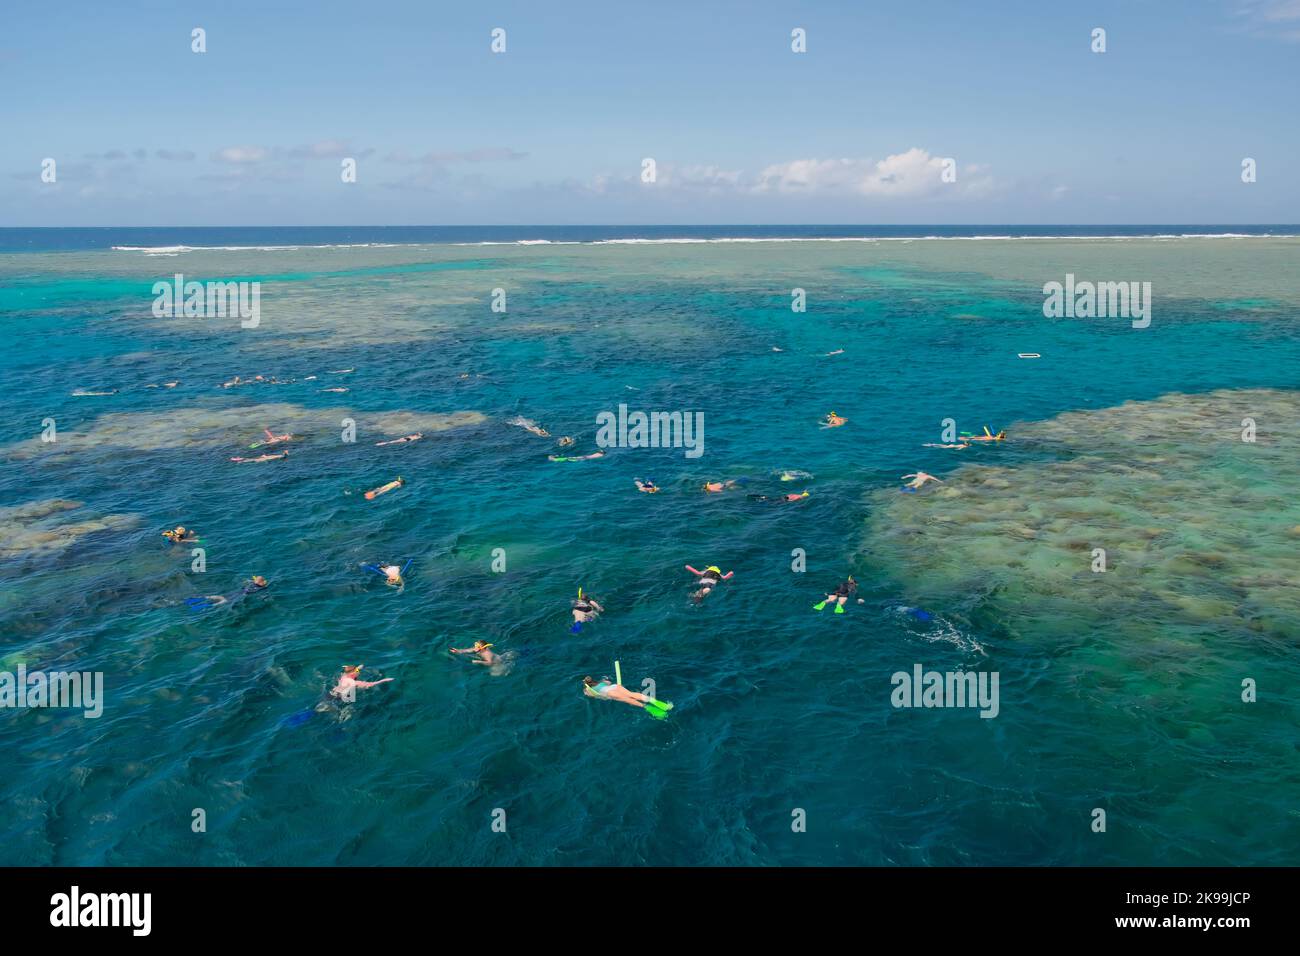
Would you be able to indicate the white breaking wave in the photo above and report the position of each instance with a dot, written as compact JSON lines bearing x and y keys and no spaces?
{"x":696,"y":240}
{"x":175,"y":250}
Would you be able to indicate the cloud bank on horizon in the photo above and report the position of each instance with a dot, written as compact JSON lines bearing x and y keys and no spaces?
{"x":754,"y":113}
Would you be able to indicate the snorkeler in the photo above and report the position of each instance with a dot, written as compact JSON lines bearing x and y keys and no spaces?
{"x":585,"y":610}
{"x":608,"y":690}
{"x":271,"y":438}
{"x":397,"y":441}
{"x":528,"y":425}
{"x":987,"y":436}
{"x":391,"y":573}
{"x":384,"y":489}
{"x":833,"y":420}
{"x":647,"y":485}
{"x":964,"y":443}
{"x":840,"y":595}
{"x":836,"y":352}
{"x":347,"y":687}
{"x":181,"y":535}
{"x":334,"y":390}
{"x":714,"y":487}
{"x":255,"y":583}
{"x":484,"y":651}
{"x":565,"y":442}
{"x":595,"y":454}
{"x":283,"y":454}
{"x":709,"y":579}
{"x":779,"y":498}
{"x":919,"y":479}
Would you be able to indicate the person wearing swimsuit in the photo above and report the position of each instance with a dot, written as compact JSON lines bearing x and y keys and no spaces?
{"x":708,"y":579}
{"x":839,"y":596}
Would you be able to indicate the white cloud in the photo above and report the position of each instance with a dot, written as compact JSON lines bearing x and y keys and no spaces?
{"x":241,"y":154}
{"x":1273,"y":18}
{"x":484,"y":155}
{"x":913,"y":174}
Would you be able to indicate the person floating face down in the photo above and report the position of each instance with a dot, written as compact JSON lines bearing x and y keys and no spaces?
{"x":180,"y":535}
{"x":833,"y":420}
{"x":483,"y":653}
{"x":585,"y":609}
{"x":609,"y":690}
{"x":708,"y":579}
{"x":350,"y":682}
{"x":840,"y":596}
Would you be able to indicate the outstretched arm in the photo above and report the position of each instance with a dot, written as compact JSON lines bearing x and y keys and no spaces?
{"x":373,"y":683}
{"x":693,"y":571}
{"x":727,"y":576}
{"x":907,"y":476}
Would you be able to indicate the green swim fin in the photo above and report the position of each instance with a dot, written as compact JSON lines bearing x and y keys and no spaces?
{"x":655,"y":712}
{"x":819,"y":607}
{"x":661,"y":704}
{"x":839,"y":609}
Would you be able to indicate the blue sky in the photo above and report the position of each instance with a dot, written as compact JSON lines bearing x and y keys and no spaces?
{"x":742,"y":130}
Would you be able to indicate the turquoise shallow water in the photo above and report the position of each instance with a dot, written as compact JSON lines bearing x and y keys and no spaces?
{"x":777,"y":707}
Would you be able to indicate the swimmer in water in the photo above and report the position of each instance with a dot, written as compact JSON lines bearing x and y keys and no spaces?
{"x":963,"y":444}
{"x":607,"y":689}
{"x":484,"y":651}
{"x":384,"y":489}
{"x":164,"y":385}
{"x":987,"y":436}
{"x":180,"y":535}
{"x":919,"y":479}
{"x":392,"y":575}
{"x":565,"y":442}
{"x":283,"y":454}
{"x":833,"y":421}
{"x":647,"y":485}
{"x":779,"y":498}
{"x":597,"y":454}
{"x":397,"y":441}
{"x":840,"y":596}
{"x":271,"y":438}
{"x":708,"y":579}
{"x":585,"y":610}
{"x":334,"y":390}
{"x":255,"y":583}
{"x":348,"y":684}
{"x":836,"y":352}
{"x":713,"y":487}
{"x":528,"y":425}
